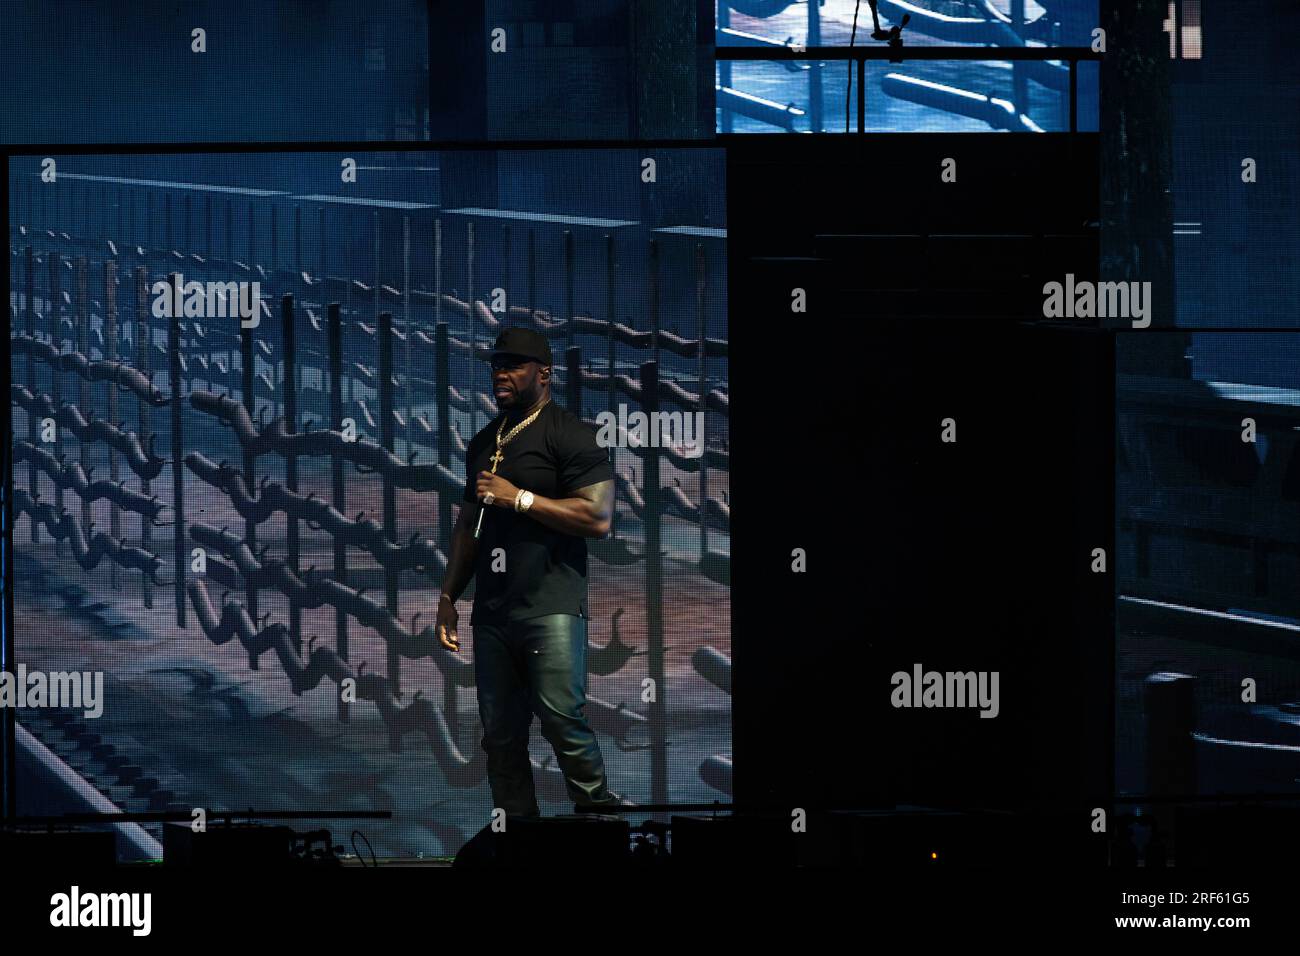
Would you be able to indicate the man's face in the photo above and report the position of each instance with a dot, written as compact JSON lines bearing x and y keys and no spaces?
{"x":517,"y":381}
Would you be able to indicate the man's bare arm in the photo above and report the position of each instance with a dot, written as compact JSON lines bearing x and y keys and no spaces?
{"x":587,"y":512}
{"x":464,"y":546}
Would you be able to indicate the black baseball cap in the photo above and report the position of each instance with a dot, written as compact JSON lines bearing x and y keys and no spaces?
{"x":517,"y":340}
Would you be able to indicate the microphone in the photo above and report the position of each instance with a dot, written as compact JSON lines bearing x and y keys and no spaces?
{"x":482,"y":507}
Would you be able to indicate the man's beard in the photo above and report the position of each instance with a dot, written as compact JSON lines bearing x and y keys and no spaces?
{"x":516,"y":403}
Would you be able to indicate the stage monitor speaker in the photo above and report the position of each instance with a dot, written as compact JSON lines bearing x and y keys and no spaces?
{"x":741,"y":840}
{"x":560,"y":841}
{"x":225,"y":846}
{"x":919,"y":837}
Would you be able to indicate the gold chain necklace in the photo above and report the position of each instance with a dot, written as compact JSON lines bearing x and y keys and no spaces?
{"x":497,"y":458}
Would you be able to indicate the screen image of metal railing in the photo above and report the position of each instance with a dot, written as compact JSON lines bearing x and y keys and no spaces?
{"x":1012,"y":76}
{"x":331,"y":349}
{"x":1207,"y":519}
{"x":1208,"y":589}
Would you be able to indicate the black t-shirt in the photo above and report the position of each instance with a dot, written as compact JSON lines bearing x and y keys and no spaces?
{"x":545,"y":570}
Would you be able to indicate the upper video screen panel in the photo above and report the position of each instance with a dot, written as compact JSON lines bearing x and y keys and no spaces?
{"x":914,"y":95}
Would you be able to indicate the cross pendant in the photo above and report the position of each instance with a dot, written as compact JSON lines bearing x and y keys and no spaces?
{"x":496,"y":459}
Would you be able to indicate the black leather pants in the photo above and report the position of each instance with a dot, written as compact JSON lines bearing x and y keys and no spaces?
{"x":537,"y":666}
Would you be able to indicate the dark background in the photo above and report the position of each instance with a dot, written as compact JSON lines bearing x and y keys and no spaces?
{"x":966,"y":556}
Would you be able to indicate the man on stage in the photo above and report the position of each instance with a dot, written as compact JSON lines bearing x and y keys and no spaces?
{"x":537,"y":484}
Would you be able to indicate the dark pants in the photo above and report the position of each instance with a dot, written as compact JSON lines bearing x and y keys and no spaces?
{"x":536,"y":666}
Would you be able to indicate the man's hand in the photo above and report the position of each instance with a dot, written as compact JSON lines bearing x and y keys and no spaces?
{"x":445,"y":628}
{"x":503,"y":491}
